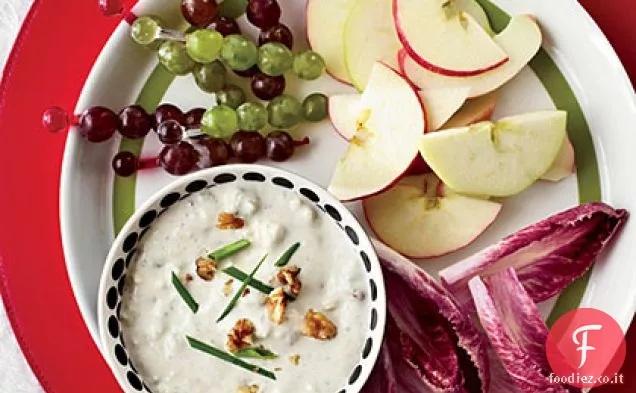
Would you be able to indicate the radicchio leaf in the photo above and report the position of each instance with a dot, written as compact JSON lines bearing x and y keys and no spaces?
{"x":515,"y":329}
{"x":547,"y":256}
{"x":432,"y":339}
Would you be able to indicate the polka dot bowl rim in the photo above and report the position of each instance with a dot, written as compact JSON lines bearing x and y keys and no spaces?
{"x":124,"y":246}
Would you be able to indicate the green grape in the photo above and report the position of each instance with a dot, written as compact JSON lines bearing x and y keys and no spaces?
{"x":219,"y":122}
{"x":274,"y":58}
{"x":210,"y":77}
{"x":252,"y":116}
{"x":203,"y":45}
{"x":284,"y":111}
{"x":145,"y":30}
{"x":173,"y":56}
{"x":238,"y":52}
{"x":315,"y":107}
{"x":231,"y":96}
{"x":232,"y":8}
{"x":308,"y":65}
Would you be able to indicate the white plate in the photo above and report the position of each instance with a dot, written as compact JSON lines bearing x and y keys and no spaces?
{"x":577,"y":46}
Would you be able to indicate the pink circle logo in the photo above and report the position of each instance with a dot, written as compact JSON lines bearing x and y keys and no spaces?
{"x":585,"y":349}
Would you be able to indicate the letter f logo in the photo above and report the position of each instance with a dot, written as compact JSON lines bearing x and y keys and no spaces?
{"x":583,"y":343}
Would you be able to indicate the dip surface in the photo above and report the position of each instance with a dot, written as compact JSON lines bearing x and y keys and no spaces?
{"x":156,"y":320}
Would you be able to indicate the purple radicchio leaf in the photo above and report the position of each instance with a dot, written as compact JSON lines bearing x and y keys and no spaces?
{"x":516,"y":331}
{"x":431,"y":334}
{"x":547,"y":256}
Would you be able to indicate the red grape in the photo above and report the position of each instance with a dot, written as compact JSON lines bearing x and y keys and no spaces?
{"x":98,"y":124}
{"x":250,"y":72}
{"x":199,"y":13}
{"x":263,"y":13}
{"x":193,"y":118}
{"x":178,"y":159}
{"x":248,"y":146}
{"x":125,"y":163}
{"x":225,"y":26}
{"x":267,"y":87}
{"x":212,"y":152}
{"x":170,"y":132}
{"x":135,"y":122}
{"x":279,"y":146}
{"x":277,"y":33}
{"x":168,"y":112}
{"x":55,"y":119}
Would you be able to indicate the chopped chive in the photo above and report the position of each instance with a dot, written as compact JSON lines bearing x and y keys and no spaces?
{"x":220,"y":354}
{"x":284,"y":259}
{"x":256,"y":353}
{"x":242,"y":276}
{"x":239,"y":293}
{"x":185,"y":295}
{"x":229,"y":249}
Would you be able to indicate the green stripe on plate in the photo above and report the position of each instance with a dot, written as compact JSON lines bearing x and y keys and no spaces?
{"x":589,"y":183}
{"x":124,"y":187}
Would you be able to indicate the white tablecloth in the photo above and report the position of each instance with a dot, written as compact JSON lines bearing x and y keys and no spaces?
{"x":15,"y":374}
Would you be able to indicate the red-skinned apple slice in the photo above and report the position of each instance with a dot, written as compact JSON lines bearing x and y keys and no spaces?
{"x":475,"y":110}
{"x":439,"y":105}
{"x":521,"y":40}
{"x":369,"y":36}
{"x":325,"y":28}
{"x":416,"y":221}
{"x":564,"y":165}
{"x":445,"y":39}
{"x":391,"y":121}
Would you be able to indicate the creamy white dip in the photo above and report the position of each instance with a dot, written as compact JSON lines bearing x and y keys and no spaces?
{"x":156,"y":320}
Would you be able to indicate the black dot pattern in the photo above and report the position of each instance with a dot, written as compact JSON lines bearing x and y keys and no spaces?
{"x":130,"y":256}
{"x":134,"y":381}
{"x":169,"y":199}
{"x":281,"y":181}
{"x":254,"y":176}
{"x":113,"y":326}
{"x":355,"y":374}
{"x":374,"y":290}
{"x":333,"y":212}
{"x":224,"y":178}
{"x":366,"y":261}
{"x":130,"y":241}
{"x":120,"y":354}
{"x":374,"y":319}
{"x":309,"y":194}
{"x":147,"y":218}
{"x":118,"y":269}
{"x":367,"y":348}
{"x":196,"y":186}
{"x":111,"y":298}
{"x":352,"y":235}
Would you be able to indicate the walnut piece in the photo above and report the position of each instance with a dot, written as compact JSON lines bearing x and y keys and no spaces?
{"x":276,"y":304}
{"x":294,"y":359}
{"x":227,"y":287}
{"x":188,"y":277}
{"x":229,"y":221}
{"x":248,"y":389}
{"x":246,"y":292}
{"x":206,"y":268}
{"x":317,"y":325}
{"x":241,"y":336}
{"x":288,"y":276}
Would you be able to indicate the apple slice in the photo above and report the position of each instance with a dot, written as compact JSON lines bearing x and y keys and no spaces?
{"x":385,"y":143}
{"x":475,"y":110}
{"x":521,"y":40}
{"x":473,"y":8}
{"x":439,"y":105}
{"x":369,"y":36}
{"x":325,"y":28}
{"x":419,"y":223}
{"x":564,"y":165}
{"x":499,"y":159}
{"x":445,"y":39}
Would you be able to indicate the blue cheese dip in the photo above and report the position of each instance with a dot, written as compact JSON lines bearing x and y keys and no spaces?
{"x":156,"y":320}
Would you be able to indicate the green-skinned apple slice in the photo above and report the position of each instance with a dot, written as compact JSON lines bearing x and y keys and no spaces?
{"x":325,"y":29}
{"x":391,"y":121}
{"x":369,"y":36}
{"x":440,"y":105}
{"x":473,"y":111}
{"x":499,"y":159}
{"x":521,"y":40}
{"x":444,"y":39}
{"x":417,"y":221}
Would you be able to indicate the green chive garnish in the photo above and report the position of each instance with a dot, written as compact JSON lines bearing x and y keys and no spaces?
{"x":239,"y":293}
{"x":210,"y":350}
{"x":242,"y":276}
{"x":229,"y":250}
{"x":284,"y":259}
{"x":185,"y":295}
{"x":256,"y":353}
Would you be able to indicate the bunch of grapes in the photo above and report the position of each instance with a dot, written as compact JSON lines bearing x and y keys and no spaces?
{"x":185,"y":148}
